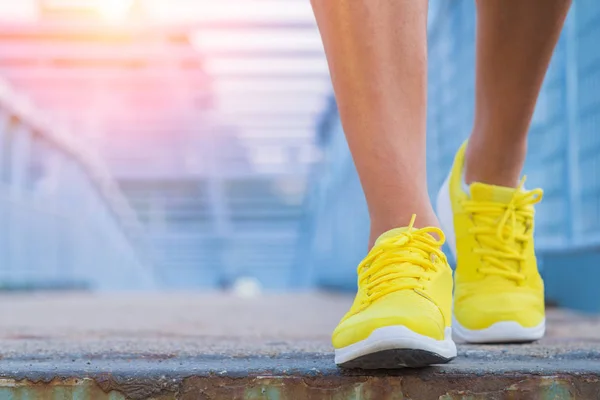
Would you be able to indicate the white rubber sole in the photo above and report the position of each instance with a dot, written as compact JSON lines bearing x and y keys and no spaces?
{"x":396,"y":347}
{"x":500,"y":332}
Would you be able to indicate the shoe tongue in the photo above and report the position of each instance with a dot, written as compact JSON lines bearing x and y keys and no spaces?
{"x":407,"y":267}
{"x":392,"y":232}
{"x":496,"y":194}
{"x":501,"y":195}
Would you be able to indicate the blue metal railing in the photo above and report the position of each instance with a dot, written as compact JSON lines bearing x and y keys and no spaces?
{"x":563,"y":159}
{"x":63,"y":222}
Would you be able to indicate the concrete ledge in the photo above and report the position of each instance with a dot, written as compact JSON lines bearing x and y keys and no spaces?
{"x":295,"y":376}
{"x":273,"y":347}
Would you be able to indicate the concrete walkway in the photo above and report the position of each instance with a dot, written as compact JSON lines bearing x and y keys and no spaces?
{"x":211,"y":346}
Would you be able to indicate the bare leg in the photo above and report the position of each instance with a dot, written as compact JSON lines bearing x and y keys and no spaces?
{"x":377,"y":54}
{"x":515,"y":40}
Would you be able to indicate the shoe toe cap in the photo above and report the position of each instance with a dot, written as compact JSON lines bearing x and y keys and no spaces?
{"x":482,"y":311}
{"x":405,"y":308}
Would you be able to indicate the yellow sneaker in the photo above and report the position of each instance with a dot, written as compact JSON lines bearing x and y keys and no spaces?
{"x":498,"y":292}
{"x":401,"y":314}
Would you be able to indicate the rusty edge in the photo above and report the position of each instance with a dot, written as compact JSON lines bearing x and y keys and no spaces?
{"x":358,"y":387}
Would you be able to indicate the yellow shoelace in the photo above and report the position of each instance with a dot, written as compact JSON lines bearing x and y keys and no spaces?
{"x":389,"y":266}
{"x":502,"y":230}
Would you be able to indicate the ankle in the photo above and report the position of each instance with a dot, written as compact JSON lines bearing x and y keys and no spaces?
{"x":379,"y":225}
{"x":494,"y":160}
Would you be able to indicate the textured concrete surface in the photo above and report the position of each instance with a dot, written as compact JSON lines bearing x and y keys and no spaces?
{"x":171,"y":346}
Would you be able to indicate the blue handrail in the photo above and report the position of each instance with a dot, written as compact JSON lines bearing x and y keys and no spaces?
{"x":63,"y":221}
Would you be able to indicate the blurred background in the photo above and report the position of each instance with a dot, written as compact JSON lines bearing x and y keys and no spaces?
{"x":195,"y":145}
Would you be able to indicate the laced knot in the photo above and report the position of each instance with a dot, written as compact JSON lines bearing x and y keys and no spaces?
{"x":403,"y":260}
{"x":503,"y":231}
